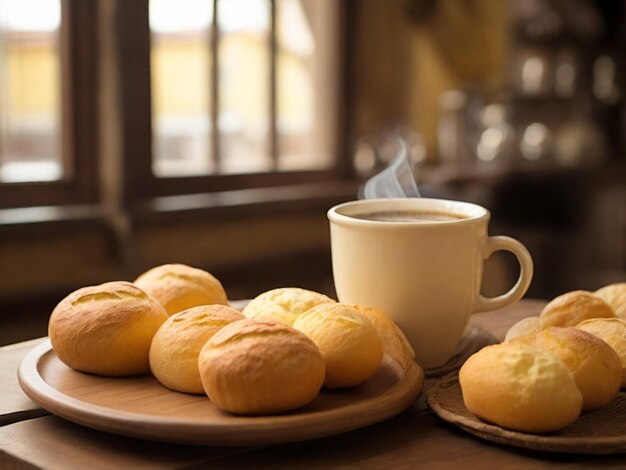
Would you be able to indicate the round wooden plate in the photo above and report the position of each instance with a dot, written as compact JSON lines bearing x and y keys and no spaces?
{"x":601,"y":431}
{"x":141,"y":407}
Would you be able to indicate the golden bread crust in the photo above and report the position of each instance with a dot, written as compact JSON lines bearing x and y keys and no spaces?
{"x":615,"y":296}
{"x":613,"y":332}
{"x":395,"y":343}
{"x":179,"y":287}
{"x":520,"y":388}
{"x":106,"y":329}
{"x":573,"y":307}
{"x":595,"y":366}
{"x":254,"y":367}
{"x":176,"y":345}
{"x":349,"y":343}
{"x":284,"y":304}
{"x":526,"y":326}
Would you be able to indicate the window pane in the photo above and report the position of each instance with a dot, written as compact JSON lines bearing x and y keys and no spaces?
{"x":244,"y":61}
{"x":181,"y":78}
{"x":306,"y":46}
{"x":30,"y":91}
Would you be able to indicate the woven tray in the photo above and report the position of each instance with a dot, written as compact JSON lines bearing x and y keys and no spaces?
{"x":601,"y":431}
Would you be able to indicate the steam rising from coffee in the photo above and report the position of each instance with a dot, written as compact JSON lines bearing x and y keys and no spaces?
{"x":395,"y":181}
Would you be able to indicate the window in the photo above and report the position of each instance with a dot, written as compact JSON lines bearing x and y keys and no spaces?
{"x":244,"y":93}
{"x":46,"y":111}
{"x":181,"y":87}
{"x":234,"y":85}
{"x":209,"y":96}
{"x":30,"y":147}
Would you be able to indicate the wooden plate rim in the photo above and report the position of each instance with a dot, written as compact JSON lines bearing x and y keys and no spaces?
{"x":252,"y":430}
{"x":491,"y":432}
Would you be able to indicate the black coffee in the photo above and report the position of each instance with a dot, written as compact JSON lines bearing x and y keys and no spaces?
{"x":409,"y":216}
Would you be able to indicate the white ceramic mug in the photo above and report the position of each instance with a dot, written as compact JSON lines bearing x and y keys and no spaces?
{"x":425,"y":274}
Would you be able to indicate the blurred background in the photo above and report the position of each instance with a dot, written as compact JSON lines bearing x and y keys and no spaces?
{"x":217,"y":133}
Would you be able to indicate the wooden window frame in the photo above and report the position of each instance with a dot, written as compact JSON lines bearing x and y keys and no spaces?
{"x":133,"y":51}
{"x":79,"y":140}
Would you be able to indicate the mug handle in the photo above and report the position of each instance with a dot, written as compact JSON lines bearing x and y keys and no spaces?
{"x":526,"y":273}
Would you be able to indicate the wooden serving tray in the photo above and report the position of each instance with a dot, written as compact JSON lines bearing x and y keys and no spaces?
{"x":601,"y":431}
{"x":141,"y":407}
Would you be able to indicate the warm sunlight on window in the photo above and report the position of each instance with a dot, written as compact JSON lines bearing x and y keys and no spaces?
{"x":181,"y":64}
{"x":304,"y":86}
{"x":30,"y":144}
{"x":244,"y":92}
{"x":182,"y":86}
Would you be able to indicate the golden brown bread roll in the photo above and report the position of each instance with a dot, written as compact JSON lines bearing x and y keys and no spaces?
{"x":526,"y":326}
{"x":106,"y":329}
{"x":179,"y":287}
{"x":573,"y":307}
{"x":176,"y":345}
{"x":615,"y":296}
{"x":594,"y":365}
{"x":349,"y":343}
{"x":613,"y":332}
{"x":520,"y":388}
{"x":284,"y":304}
{"x":395,"y":343}
{"x":260,"y":367}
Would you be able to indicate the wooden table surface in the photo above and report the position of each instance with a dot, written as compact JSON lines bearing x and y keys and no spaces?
{"x":417,"y":438}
